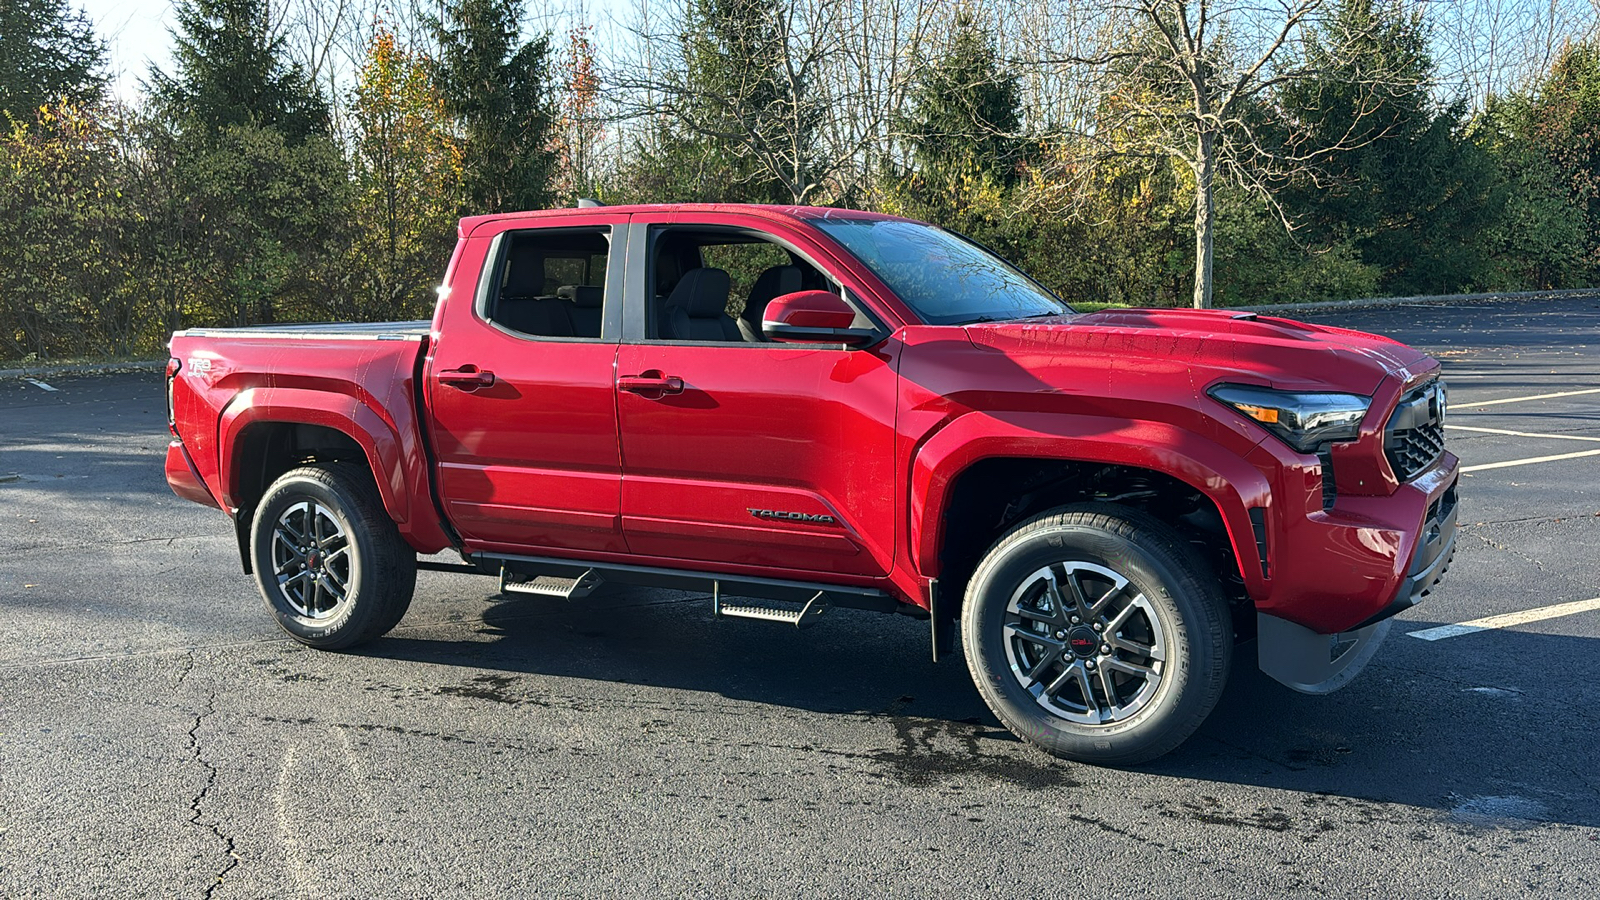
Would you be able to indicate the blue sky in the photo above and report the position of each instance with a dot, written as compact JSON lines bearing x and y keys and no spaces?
{"x":136,"y":31}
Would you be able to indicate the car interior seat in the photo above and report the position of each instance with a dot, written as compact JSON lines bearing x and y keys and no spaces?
{"x":584,"y":304}
{"x":521,"y":307}
{"x":772,"y":283}
{"x":696,"y":310}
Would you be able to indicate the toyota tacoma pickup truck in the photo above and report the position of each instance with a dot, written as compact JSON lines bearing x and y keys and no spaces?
{"x":797,"y":410}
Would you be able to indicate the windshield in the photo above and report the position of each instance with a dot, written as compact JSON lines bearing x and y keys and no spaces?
{"x":945,"y":278}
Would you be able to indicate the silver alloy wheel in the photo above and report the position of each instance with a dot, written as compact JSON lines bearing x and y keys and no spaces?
{"x":1085,"y":643}
{"x":311,"y":559}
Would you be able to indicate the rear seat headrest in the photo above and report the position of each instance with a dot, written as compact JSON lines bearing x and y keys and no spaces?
{"x":525,"y":278}
{"x":582,"y":296}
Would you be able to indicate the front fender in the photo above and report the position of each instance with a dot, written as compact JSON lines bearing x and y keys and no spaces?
{"x":1227,"y":479}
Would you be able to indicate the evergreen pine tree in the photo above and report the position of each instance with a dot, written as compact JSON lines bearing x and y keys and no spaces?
{"x":1561,"y":124}
{"x":738,"y":106}
{"x":962,"y":129}
{"x":1406,"y":188}
{"x":257,"y":185}
{"x":964,"y":109}
{"x":231,"y":71}
{"x":48,"y":52}
{"x":497,"y":87}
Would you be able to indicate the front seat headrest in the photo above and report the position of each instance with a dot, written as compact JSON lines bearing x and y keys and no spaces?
{"x":702,"y":293}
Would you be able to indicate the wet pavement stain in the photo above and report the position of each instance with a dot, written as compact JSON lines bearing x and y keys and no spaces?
{"x":499,"y":689}
{"x":484,"y":687}
{"x":929,"y":751}
{"x":1210,"y":812}
{"x":372,"y":728}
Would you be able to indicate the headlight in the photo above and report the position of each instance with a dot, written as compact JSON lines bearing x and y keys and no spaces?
{"x":1303,"y":420}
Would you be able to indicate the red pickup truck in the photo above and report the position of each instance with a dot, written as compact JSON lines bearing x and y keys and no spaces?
{"x":814,"y":408}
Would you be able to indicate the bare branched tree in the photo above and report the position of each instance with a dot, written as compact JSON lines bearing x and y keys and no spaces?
{"x":1488,"y":48}
{"x":1195,"y":82}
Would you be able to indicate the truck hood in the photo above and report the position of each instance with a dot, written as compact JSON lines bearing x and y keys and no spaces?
{"x":1214,"y":345}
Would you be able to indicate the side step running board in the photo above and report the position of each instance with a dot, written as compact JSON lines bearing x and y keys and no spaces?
{"x":552,"y":585}
{"x":799,"y":618}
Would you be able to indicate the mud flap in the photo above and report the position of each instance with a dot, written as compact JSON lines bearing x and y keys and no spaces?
{"x":241,"y":532}
{"x":1313,"y":663}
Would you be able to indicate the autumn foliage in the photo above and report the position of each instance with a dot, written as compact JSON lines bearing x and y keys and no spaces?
{"x":246,"y":186}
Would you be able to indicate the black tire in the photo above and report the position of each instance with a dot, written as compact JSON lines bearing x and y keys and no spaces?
{"x":1143,"y":706}
{"x":329,"y":561}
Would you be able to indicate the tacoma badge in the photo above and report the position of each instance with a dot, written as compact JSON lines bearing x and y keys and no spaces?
{"x":790,"y":516}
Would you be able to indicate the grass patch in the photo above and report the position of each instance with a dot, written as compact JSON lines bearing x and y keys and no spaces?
{"x":33,"y":363}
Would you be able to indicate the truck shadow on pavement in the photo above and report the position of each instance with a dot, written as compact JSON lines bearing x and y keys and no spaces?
{"x":1458,"y":752}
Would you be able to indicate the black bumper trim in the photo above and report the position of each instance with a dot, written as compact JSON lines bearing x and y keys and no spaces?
{"x":1429,"y":562}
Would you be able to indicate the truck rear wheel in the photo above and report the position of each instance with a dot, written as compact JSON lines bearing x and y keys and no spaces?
{"x":328,"y":559}
{"x":1096,"y":633}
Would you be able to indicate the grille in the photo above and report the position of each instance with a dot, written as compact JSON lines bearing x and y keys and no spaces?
{"x":1414,"y":438}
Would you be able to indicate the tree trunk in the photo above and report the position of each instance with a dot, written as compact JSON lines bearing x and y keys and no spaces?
{"x":1205,"y":217}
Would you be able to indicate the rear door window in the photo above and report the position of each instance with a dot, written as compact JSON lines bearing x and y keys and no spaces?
{"x":551,"y":283}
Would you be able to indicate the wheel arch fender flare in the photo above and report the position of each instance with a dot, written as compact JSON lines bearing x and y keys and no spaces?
{"x":398,"y":466}
{"x":1224,"y":477}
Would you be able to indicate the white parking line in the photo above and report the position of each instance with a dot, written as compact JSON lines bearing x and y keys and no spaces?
{"x":40,"y":385}
{"x":1528,"y":462}
{"x":1526,"y":434}
{"x":1538,"y":614}
{"x":1456,"y":406}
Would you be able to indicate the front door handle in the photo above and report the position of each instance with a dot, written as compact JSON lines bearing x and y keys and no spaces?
{"x":467,"y":378}
{"x":650,"y":383}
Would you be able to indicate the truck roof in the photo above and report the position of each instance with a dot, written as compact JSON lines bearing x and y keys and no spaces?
{"x":771,"y":211}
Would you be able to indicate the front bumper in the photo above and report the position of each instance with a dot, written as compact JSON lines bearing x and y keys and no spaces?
{"x":1337,"y":569}
{"x":1431,"y":559}
{"x":1317,"y":661}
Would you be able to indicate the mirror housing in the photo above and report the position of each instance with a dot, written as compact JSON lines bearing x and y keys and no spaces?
{"x":813,"y":317}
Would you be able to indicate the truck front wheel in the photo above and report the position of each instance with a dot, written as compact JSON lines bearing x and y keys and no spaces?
{"x":1095,"y":632}
{"x":328,"y":559}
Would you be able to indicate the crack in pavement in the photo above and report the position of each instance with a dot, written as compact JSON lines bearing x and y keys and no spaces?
{"x":196,"y":804}
{"x":1572,"y":517}
{"x":27,"y":549}
{"x":1496,"y":545}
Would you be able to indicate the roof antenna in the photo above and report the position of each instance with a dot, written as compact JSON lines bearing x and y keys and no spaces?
{"x":588,"y":203}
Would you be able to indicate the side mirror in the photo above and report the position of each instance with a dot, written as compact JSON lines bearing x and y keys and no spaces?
{"x":813,"y":317}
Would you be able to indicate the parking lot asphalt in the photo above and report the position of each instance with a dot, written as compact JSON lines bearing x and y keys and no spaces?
{"x":159,"y":736}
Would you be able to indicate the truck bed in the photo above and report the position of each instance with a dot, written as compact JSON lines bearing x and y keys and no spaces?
{"x":298,"y":389}
{"x":379,"y":331}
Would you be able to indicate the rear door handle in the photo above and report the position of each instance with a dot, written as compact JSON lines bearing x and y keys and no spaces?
{"x":650,"y":383}
{"x":467,"y":378}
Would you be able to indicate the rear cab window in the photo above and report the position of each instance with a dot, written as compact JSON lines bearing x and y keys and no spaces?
{"x":550,"y":283}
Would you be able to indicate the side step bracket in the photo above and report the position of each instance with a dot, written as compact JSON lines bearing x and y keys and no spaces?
{"x":799,"y":618}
